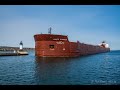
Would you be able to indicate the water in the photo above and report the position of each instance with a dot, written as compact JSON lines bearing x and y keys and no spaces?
{"x":99,"y":69}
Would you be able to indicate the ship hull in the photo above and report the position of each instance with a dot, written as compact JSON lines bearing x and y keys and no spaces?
{"x":63,"y":48}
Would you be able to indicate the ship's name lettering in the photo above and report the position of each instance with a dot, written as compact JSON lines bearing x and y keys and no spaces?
{"x":60,"y":42}
{"x":63,"y":39}
{"x":59,"y":39}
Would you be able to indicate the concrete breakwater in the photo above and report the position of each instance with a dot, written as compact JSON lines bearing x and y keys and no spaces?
{"x":9,"y":54}
{"x":7,"y":48}
{"x":14,"y":51}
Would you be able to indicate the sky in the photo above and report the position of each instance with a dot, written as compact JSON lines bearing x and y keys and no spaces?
{"x":90,"y":24}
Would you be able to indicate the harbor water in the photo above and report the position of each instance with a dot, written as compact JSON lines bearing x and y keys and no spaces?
{"x":99,"y":69}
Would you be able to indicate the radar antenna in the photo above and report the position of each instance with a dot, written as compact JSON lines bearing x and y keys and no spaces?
{"x":49,"y":30}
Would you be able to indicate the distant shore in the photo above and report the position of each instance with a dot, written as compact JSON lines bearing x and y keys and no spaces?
{"x":9,"y":48}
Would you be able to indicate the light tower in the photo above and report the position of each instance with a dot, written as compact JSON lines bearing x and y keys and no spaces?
{"x":21,"y":45}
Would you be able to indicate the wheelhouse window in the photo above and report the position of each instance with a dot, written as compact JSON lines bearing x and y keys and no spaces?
{"x":51,"y":46}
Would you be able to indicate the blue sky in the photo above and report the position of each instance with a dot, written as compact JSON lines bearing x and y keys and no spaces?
{"x":87,"y":23}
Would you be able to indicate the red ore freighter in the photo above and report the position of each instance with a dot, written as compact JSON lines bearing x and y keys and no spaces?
{"x":53,"y":45}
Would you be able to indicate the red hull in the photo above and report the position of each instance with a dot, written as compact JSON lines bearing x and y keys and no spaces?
{"x":49,"y":45}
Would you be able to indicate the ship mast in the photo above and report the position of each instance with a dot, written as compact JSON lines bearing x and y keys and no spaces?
{"x":49,"y":30}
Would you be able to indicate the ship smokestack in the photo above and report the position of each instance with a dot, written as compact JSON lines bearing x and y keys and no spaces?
{"x":49,"y":30}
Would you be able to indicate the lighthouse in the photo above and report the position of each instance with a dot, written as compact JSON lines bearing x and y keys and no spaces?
{"x":21,"y":45}
{"x":21,"y":51}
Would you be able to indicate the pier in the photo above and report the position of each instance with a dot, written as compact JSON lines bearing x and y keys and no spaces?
{"x":8,"y":48}
{"x":11,"y":54}
{"x":14,"y":51}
